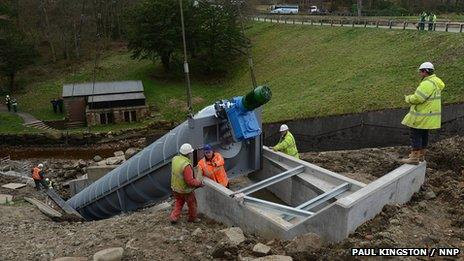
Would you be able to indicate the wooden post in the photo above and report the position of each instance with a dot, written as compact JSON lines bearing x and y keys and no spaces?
{"x":462,"y":28}
{"x":390,"y":23}
{"x":331,"y":22}
{"x":353,"y":23}
{"x":365,"y":23}
{"x":312,"y":22}
{"x":404,"y":25}
{"x":293,"y":20}
{"x":446,"y":27}
{"x":378,"y":23}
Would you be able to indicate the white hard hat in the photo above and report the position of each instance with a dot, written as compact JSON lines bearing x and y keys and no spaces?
{"x":427,"y":66}
{"x":283,"y":127}
{"x":8,"y":96}
{"x":40,"y":165}
{"x":185,"y":149}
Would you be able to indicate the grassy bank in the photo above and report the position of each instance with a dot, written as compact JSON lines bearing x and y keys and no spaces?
{"x":11,"y":123}
{"x":312,"y":72}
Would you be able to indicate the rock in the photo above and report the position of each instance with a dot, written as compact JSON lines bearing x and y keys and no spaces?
{"x":114,"y":160}
{"x":130,"y":152}
{"x":71,"y":258}
{"x":101,"y":163}
{"x":196,"y":232}
{"x":234,"y":235}
{"x":82,"y":164}
{"x":97,"y":158}
{"x":109,"y":254}
{"x":422,"y":205}
{"x":369,"y":237}
{"x":6,"y":199}
{"x":394,"y":222}
{"x":304,"y":246}
{"x":119,"y":153}
{"x":225,"y":249}
{"x":430,"y":195}
{"x":274,"y":258}
{"x":261,"y":249}
{"x":68,"y":167}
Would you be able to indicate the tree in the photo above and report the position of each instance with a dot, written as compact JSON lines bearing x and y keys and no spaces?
{"x":212,"y":30}
{"x":154,"y":30}
{"x":218,"y":36}
{"x":16,"y":52}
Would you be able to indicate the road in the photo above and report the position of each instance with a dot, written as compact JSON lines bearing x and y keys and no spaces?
{"x":452,"y":28}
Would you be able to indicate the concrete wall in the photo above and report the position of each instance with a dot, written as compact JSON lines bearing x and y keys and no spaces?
{"x":96,"y":172}
{"x":354,"y":131}
{"x":93,"y":116}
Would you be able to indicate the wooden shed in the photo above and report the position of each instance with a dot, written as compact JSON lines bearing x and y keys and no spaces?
{"x":105,"y":102}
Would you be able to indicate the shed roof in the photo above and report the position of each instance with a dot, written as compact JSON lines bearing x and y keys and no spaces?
{"x":89,"y":89}
{"x":117,"y":97}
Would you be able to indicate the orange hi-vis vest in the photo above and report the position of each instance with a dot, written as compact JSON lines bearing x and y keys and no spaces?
{"x":36,"y":174}
{"x":214,"y":169}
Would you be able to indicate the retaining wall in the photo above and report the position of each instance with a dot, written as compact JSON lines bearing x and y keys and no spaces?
{"x":354,"y":131}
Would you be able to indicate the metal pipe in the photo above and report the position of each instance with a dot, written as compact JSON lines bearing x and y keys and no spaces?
{"x":272,"y":180}
{"x":324,"y":197}
{"x":281,"y":208}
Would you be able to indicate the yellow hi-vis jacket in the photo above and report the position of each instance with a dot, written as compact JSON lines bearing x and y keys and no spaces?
{"x":287,"y":145}
{"x":178,"y":183}
{"x":425,"y":111}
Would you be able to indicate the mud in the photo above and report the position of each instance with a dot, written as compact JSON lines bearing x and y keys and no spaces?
{"x":433,"y":218}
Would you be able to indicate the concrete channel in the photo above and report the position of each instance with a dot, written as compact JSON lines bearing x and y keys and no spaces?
{"x":316,"y":200}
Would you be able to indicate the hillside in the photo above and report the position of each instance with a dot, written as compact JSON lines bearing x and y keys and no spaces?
{"x":312,"y":72}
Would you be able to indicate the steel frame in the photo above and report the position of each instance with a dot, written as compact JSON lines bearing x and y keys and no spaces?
{"x":281,"y":208}
{"x":301,"y":210}
{"x":270,"y":181}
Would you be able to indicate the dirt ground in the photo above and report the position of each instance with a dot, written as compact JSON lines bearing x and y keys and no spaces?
{"x":433,"y":218}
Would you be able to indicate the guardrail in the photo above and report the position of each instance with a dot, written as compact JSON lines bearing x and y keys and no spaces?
{"x":356,"y":22}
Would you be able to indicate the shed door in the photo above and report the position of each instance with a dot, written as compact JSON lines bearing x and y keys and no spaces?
{"x":76,"y":109}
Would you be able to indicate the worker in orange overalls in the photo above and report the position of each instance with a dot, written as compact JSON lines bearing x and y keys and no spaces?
{"x":212,"y":166}
{"x":38,"y":177}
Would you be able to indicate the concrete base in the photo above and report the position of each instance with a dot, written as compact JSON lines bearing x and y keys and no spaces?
{"x":96,"y":172}
{"x":77,"y":185}
{"x":333,"y":221}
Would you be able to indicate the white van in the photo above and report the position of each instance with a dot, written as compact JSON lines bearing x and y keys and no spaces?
{"x":285,"y":9}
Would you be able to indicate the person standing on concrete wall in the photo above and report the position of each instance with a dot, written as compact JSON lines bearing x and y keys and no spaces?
{"x":286,"y":143}
{"x":425,"y":112}
{"x":212,"y":166}
{"x":183,"y":184}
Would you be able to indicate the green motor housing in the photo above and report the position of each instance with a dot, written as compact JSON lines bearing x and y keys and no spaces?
{"x":256,"y":98}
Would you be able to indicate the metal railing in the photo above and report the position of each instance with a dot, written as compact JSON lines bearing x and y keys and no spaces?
{"x":366,"y":23}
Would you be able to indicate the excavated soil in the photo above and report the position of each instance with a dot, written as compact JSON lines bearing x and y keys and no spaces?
{"x":433,"y":218}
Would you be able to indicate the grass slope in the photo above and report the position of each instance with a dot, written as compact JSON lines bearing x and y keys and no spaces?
{"x":11,"y":123}
{"x":312,"y":72}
